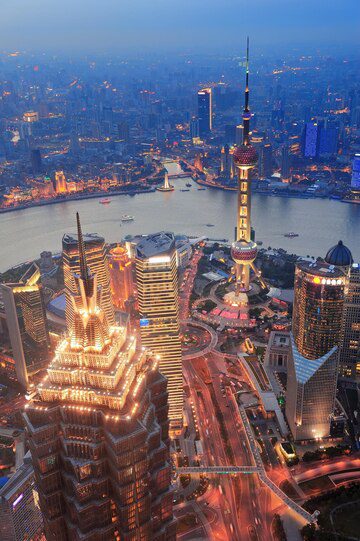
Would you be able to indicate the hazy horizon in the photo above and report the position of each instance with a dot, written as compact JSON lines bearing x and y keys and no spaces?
{"x":87,"y":26}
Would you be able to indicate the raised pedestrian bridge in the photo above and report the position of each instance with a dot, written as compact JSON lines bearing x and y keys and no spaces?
{"x":234,"y":470}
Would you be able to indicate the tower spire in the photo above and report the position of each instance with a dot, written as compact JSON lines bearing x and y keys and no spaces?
{"x":246,"y":113}
{"x":82,"y":256}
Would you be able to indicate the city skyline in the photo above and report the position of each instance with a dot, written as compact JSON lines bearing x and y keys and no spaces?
{"x":185,"y":362}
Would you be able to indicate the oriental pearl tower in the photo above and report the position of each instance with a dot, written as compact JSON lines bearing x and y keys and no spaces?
{"x":244,"y":250}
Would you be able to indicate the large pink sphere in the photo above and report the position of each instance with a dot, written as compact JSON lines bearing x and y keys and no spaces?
{"x":245,"y":155}
{"x":244,"y":252}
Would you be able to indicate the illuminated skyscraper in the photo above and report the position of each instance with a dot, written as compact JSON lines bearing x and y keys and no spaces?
{"x":205,"y":111}
{"x":121,"y":279}
{"x":98,"y":431}
{"x":60,"y":182}
{"x":349,"y":354}
{"x":27,"y":326}
{"x":313,"y":363}
{"x":244,"y":250}
{"x":157,"y":285}
{"x":349,"y":350}
{"x":98,"y":264}
{"x":20,"y":515}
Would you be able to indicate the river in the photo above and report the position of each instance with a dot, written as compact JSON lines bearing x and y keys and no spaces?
{"x":319,"y":222}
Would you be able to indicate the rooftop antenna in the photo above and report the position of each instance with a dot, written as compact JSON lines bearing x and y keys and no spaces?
{"x":82,"y":257}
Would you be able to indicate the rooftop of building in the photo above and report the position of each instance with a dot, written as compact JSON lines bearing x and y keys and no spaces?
{"x":339,"y":255}
{"x":12,"y":485}
{"x":321,"y":269}
{"x":156,"y":244}
{"x":71,"y":239}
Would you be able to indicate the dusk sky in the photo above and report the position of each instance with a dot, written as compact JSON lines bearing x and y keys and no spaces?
{"x":116,"y":25}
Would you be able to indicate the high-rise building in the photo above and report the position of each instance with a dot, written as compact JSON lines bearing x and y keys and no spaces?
{"x":98,"y":431}
{"x":244,"y":250}
{"x":328,"y":140}
{"x":239,"y":134}
{"x":355,"y":176}
{"x":35,"y":158}
{"x":340,"y":256}
{"x":20,"y":514}
{"x":121,"y":277}
{"x":194,"y":128}
{"x":60,"y":182}
{"x":311,"y":140}
{"x":313,"y":364}
{"x":265,"y":161}
{"x":349,"y":354}
{"x":26,"y":323}
{"x":285,"y":163}
{"x":98,"y":264}
{"x":157,"y":285}
{"x":124,"y":131}
{"x":205,"y":111}
{"x":227,"y":168}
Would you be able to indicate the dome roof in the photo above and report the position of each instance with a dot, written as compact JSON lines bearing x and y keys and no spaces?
{"x":339,"y":255}
{"x":245,"y":155}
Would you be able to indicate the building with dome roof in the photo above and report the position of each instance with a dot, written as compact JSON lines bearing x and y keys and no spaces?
{"x":339,"y":256}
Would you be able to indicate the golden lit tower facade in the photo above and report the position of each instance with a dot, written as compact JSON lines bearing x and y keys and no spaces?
{"x":244,"y":250}
{"x":157,"y":286}
{"x":313,"y":364}
{"x":98,"y":431}
{"x":121,"y":277}
{"x":27,"y":326}
{"x":98,"y":264}
{"x":349,"y":354}
{"x":60,"y":182}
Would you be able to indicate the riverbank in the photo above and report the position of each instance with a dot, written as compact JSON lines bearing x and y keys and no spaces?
{"x":320,"y":223}
{"x":294,"y":195}
{"x":69,"y":199}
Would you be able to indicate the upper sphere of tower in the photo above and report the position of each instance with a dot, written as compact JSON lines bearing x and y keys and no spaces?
{"x":245,"y":155}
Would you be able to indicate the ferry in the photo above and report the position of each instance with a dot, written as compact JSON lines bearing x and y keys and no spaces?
{"x":291,"y":235}
{"x":127,"y":218}
{"x":105,"y":201}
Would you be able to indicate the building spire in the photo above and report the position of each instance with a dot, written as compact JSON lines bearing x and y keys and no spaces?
{"x":246,"y":113}
{"x":82,"y":257}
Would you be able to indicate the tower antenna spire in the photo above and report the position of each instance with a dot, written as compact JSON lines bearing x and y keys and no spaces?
{"x":82,"y":255}
{"x":246,"y":114}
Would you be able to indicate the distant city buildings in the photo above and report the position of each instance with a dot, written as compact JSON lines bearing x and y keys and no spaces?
{"x":355,"y":175}
{"x":157,"y":285}
{"x":26,"y":324}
